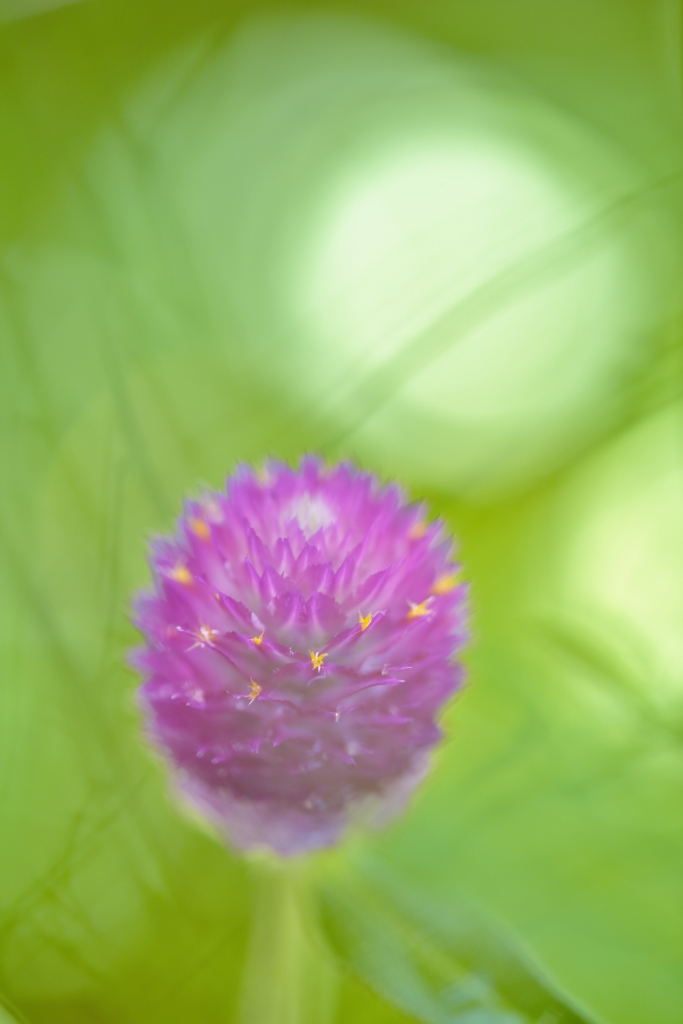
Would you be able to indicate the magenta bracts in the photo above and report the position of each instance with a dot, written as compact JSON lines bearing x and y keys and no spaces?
{"x":300,"y":641}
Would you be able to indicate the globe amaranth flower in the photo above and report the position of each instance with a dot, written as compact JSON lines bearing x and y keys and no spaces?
{"x":299,"y":643}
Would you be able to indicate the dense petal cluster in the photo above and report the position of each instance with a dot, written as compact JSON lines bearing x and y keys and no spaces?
{"x":299,"y":643}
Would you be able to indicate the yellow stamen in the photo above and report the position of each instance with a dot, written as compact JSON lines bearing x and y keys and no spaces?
{"x":445,"y":583}
{"x":181,"y":574}
{"x":257,"y":639}
{"x":200,"y":528}
{"x":317,"y":660}
{"x":418,"y":610}
{"x":417,"y":531}
{"x":254,"y":692}
{"x":364,"y":620}
{"x":206,"y":634}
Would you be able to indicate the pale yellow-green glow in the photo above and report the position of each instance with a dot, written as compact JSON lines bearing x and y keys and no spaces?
{"x":450,"y":277}
{"x":424,"y":231}
{"x":417,"y":232}
{"x":454,"y":278}
{"x":619,"y":576}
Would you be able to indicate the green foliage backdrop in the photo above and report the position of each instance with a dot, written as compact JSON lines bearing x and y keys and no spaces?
{"x":443,"y":239}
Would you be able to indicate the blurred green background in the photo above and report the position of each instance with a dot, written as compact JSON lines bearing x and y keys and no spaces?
{"x":443,"y":239}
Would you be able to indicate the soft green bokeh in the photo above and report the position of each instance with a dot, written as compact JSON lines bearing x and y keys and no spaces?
{"x":441,"y":239}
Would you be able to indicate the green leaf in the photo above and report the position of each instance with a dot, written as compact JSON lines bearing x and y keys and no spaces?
{"x":444,"y":962}
{"x":555,"y":800}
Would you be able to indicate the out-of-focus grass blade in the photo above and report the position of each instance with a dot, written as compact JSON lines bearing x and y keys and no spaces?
{"x":440,"y":272}
{"x":7,"y":1018}
{"x":14,"y":10}
{"x":445,"y":963}
{"x":556,"y":799}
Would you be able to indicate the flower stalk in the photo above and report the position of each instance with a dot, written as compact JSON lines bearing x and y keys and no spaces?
{"x":290,"y":976}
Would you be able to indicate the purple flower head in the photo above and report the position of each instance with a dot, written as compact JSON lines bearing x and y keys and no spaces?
{"x":299,"y":644}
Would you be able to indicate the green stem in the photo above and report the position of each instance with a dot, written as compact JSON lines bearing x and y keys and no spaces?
{"x":289,"y":976}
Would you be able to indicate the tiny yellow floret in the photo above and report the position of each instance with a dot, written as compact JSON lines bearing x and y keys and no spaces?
{"x":444,"y":584}
{"x":206,"y":635}
{"x":257,"y":639}
{"x":417,"y":531}
{"x":418,"y":610}
{"x":200,"y":528}
{"x":181,"y":574}
{"x":364,"y":620}
{"x":254,"y":692}
{"x":317,"y":660}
